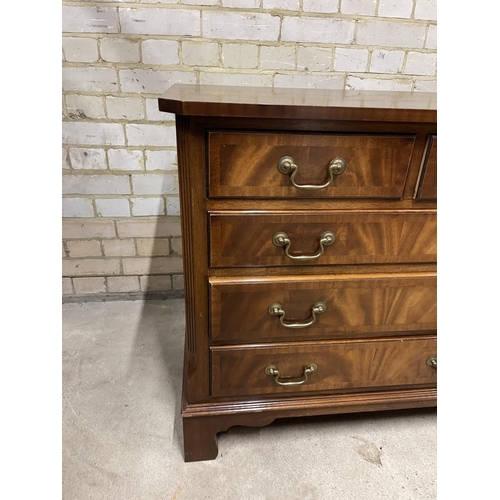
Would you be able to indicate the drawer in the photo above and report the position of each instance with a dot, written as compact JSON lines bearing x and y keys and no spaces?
{"x":427,"y":186}
{"x":336,"y":306}
{"x":245,"y":164}
{"x":341,"y":366}
{"x":247,"y":240}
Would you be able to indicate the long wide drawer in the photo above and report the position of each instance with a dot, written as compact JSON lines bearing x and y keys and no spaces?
{"x":272,"y":239}
{"x":300,"y":308}
{"x":245,"y":164}
{"x":323,"y":366}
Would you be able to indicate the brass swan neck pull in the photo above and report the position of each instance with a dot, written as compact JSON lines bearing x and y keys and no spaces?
{"x":287,"y":166}
{"x":432,"y":362}
{"x":277,"y":310}
{"x":281,"y":239}
{"x":273,"y":371}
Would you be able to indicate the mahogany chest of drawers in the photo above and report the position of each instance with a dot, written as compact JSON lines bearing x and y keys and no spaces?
{"x":309,"y":239}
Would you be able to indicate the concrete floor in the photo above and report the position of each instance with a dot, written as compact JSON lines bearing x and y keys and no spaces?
{"x":122,"y":434}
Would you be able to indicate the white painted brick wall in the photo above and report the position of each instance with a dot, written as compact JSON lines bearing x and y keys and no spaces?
{"x":364,"y":7}
{"x":77,"y":207}
{"x":241,"y":4}
{"x":281,"y":57}
{"x":65,"y":164}
{"x":119,"y":50}
{"x":161,"y":160}
{"x":87,"y":158}
{"x":200,"y":54}
{"x":95,"y":184}
{"x":419,"y":63}
{"x":236,"y":26}
{"x":89,"y":19}
{"x":80,"y":49}
{"x":119,"y":155}
{"x":239,"y":55}
{"x":160,"y":21}
{"x":390,"y":34}
{"x":431,"y":41}
{"x":304,"y":81}
{"x":312,"y":58}
{"x":395,"y":8}
{"x":155,"y":184}
{"x":93,"y":133}
{"x":163,"y":52}
{"x":327,"y":6}
{"x":150,"y":135}
{"x":112,"y":207}
{"x":148,"y":206}
{"x":356,"y":83}
{"x":281,"y":4}
{"x":187,"y":2}
{"x":236,"y":79}
{"x":355,"y":60}
{"x":386,"y":61}
{"x":90,"y":79}
{"x":84,"y":106}
{"x":123,"y":159}
{"x":125,"y":108}
{"x":426,"y":9}
{"x":152,"y":81}
{"x":173,"y":206}
{"x":314,"y":29}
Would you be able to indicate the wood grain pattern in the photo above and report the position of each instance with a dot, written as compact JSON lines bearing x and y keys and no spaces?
{"x":190,"y":143}
{"x":244,"y":164}
{"x":361,"y":238}
{"x":357,"y":306}
{"x":346,"y":365}
{"x":427,"y":187}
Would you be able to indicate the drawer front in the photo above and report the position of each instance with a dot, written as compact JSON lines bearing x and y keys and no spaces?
{"x":427,"y":188}
{"x":354,"y":306}
{"x":341,"y":366}
{"x":245,"y":164}
{"x":246,"y":240}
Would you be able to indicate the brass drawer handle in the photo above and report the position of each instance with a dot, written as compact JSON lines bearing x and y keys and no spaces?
{"x":287,"y":166}
{"x":277,"y":310}
{"x":281,"y":239}
{"x":432,"y":362}
{"x":273,"y":371}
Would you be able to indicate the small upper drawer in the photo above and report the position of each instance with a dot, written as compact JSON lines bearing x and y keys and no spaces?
{"x":245,"y":164}
{"x":427,"y":187}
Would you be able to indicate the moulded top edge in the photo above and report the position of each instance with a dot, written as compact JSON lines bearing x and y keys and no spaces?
{"x":267,"y":102}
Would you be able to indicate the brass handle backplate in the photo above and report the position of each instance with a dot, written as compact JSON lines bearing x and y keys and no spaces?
{"x":273,"y":371}
{"x":287,"y":166}
{"x":281,"y":239}
{"x":277,"y":310}
{"x":432,"y":362}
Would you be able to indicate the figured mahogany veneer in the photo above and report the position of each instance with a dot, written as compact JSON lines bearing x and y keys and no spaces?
{"x":342,"y":365}
{"x":240,"y":164}
{"x":269,"y":336}
{"x":360,"y":238}
{"x":356,"y":305}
